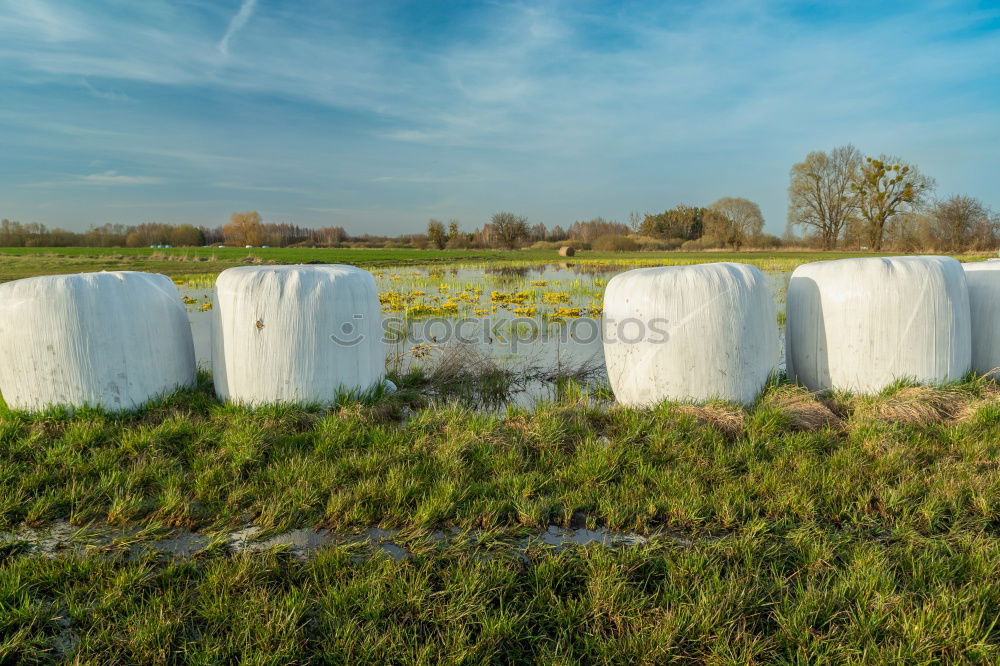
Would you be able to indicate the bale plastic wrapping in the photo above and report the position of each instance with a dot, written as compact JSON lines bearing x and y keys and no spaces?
{"x":861,"y":324}
{"x":690,"y":333}
{"x":295,"y":334}
{"x":983,"y":279}
{"x":113,"y":340}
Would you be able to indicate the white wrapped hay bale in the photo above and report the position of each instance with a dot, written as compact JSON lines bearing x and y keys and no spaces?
{"x":983,"y":279}
{"x":861,"y":324}
{"x":112,"y":340}
{"x":295,"y":334}
{"x":689,"y":333}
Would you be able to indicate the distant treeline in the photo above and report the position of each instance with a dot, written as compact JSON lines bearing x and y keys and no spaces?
{"x":16,"y":234}
{"x":839,"y":199}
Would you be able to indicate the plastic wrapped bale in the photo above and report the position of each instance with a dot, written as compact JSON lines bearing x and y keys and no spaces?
{"x":110,"y":340}
{"x":295,"y":334}
{"x":690,"y":333}
{"x":983,"y":279}
{"x":861,"y":324}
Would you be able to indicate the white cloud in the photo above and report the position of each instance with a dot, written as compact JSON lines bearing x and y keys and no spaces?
{"x":238,"y":21}
{"x":112,"y":177}
{"x":427,"y":179}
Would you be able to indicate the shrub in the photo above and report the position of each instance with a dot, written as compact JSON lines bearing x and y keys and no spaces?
{"x":648,"y":243}
{"x":614,"y":243}
{"x":555,"y":245}
{"x":698,"y":244}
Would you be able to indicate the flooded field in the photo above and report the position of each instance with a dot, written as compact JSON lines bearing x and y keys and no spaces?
{"x":541,"y":321}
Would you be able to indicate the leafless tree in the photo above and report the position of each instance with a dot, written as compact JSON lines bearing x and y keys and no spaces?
{"x":820,"y":194}
{"x":962,"y":222}
{"x":509,"y":229}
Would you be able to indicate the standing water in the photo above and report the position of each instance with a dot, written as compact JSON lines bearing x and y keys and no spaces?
{"x":540,"y":320}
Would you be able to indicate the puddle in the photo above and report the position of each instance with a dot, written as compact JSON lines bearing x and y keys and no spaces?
{"x":303,"y":542}
{"x":560,"y":538}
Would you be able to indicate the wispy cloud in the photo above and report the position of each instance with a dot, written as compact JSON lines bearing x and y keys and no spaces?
{"x":236,"y":24}
{"x":428,"y":179}
{"x":109,"y":95}
{"x":260,"y":188}
{"x":112,"y":177}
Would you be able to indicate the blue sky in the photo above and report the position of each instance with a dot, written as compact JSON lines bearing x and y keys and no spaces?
{"x":379,"y":115}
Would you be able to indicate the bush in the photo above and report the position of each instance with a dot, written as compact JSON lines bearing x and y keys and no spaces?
{"x":767,"y":242}
{"x":650,"y":244}
{"x":614,"y":243}
{"x":703,"y":243}
{"x":555,"y":245}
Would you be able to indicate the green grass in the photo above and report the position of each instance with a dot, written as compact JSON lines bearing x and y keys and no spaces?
{"x":18,"y":263}
{"x":799,"y":530}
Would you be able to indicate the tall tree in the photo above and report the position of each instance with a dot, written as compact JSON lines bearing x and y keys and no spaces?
{"x":885,"y":187}
{"x":244,"y":229}
{"x":509,"y":229}
{"x":820,"y":192}
{"x":734,"y":221}
{"x":436,"y":234}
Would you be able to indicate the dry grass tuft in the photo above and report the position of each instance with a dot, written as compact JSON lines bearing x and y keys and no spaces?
{"x":727,"y":419}
{"x":804,"y":410}
{"x":989,"y":393}
{"x":914,"y":405}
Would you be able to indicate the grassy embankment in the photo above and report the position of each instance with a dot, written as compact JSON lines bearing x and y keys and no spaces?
{"x":25,"y":262}
{"x":800,"y":529}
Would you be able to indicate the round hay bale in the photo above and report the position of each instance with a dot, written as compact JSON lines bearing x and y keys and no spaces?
{"x":112,"y":340}
{"x":861,"y":324}
{"x":983,"y":279}
{"x":691,"y":333}
{"x":295,"y":334}
{"x":567,"y":251}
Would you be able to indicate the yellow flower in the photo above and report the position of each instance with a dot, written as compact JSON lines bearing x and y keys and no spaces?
{"x":555,"y":298}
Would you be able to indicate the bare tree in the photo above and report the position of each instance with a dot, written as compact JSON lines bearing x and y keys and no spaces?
{"x":733,"y":220}
{"x":820,"y":193}
{"x":635,"y":219}
{"x":961,"y":221}
{"x":436,"y":234}
{"x":509,"y":229}
{"x":887,"y":187}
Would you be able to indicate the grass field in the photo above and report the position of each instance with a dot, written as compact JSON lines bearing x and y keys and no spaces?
{"x":799,"y":530}
{"x":25,"y":262}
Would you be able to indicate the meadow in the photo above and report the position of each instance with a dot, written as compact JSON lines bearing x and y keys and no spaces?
{"x":446,"y":523}
{"x":21,"y":262}
{"x":800,"y":529}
